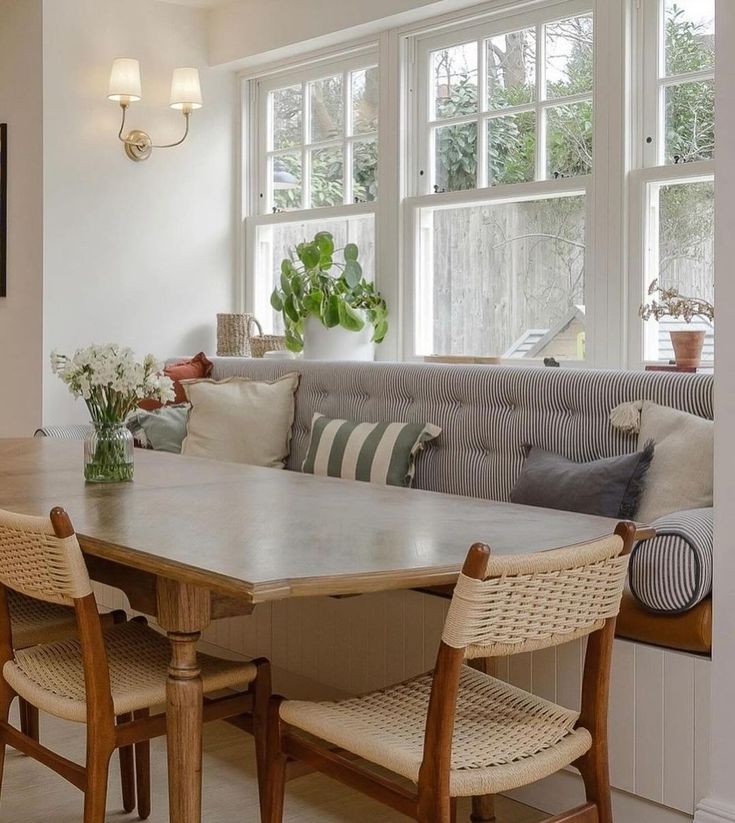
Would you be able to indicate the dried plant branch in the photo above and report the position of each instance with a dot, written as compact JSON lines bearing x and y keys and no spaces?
{"x":672,"y":304}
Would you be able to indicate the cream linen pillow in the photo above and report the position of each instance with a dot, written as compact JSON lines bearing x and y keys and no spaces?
{"x":682,"y":472}
{"x":240,"y":421}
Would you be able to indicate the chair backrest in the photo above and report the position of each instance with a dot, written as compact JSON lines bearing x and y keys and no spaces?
{"x":36,"y":561}
{"x":531,"y":602}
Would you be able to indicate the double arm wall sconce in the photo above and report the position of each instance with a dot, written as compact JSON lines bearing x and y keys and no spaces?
{"x":125,"y":88}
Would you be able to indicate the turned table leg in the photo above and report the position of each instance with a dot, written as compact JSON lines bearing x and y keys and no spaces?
{"x":183,"y":611}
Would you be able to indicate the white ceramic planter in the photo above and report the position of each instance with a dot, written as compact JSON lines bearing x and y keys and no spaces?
{"x":321,"y":343}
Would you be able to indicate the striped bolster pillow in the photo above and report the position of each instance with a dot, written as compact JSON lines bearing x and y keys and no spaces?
{"x":382,"y":453}
{"x":672,"y":572}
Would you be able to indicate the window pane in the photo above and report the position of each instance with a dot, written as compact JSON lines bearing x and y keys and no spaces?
{"x":512,"y":148}
{"x":569,"y":57}
{"x":327,"y":177}
{"x":327,"y":108}
{"x":690,"y":122}
{"x":511,"y":69}
{"x":503,"y":279}
{"x":569,"y":140}
{"x":273,"y":243}
{"x":454,"y":73}
{"x":455,"y":161}
{"x":689,"y":36}
{"x":682,"y":257}
{"x":287,"y":182}
{"x":365,"y":101}
{"x":365,"y":171}
{"x":286,"y":108}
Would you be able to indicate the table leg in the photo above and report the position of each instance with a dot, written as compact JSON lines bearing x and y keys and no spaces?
{"x":184,"y":706}
{"x":183,"y":611}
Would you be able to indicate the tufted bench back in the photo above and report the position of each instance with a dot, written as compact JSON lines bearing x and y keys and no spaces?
{"x":487,"y":413}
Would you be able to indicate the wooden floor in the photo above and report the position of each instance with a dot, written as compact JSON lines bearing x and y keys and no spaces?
{"x":33,"y":794}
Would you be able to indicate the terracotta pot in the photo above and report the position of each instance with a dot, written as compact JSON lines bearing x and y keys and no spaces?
{"x":687,"y":348}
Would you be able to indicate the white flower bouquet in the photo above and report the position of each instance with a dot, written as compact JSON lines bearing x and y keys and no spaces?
{"x":111,"y":383}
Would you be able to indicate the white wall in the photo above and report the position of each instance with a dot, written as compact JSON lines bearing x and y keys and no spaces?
{"x":244,"y":29}
{"x":720,"y":805}
{"x":140,"y":254}
{"x":21,"y":90}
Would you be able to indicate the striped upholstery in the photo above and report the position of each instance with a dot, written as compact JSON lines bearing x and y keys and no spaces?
{"x":70,"y":432}
{"x":673,"y":571}
{"x":382,"y":452}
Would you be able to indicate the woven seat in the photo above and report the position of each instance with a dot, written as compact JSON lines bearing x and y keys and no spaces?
{"x":503,"y":738}
{"x":51,"y":676}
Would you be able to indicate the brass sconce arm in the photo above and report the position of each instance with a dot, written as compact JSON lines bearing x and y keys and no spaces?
{"x":139,"y":145}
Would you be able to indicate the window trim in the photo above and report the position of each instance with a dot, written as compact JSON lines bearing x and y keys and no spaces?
{"x":651,"y":168}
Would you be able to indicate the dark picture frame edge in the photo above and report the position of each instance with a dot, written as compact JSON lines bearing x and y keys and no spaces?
{"x":3,"y":209}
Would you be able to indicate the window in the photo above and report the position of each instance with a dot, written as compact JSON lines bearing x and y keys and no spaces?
{"x":675,"y":180}
{"x":316,"y":139}
{"x":539,"y":169}
{"x":506,"y":152}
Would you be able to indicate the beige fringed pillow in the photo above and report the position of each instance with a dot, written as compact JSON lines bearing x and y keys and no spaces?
{"x":241,"y":421}
{"x":681,"y":476}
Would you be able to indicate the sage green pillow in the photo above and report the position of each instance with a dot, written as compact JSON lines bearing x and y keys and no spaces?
{"x":382,"y":453}
{"x":163,"y":429}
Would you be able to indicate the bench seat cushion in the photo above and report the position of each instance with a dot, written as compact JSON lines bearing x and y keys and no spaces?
{"x":689,"y":631}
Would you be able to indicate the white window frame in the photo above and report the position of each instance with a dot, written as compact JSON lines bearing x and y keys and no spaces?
{"x":651,"y":169}
{"x":417,"y":315}
{"x":257,"y":192}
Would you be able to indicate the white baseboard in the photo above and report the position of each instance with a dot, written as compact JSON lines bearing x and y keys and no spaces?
{"x":714,"y":811}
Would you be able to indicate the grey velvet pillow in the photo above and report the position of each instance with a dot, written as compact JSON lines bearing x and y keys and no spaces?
{"x":163,"y":429}
{"x":610,"y":487}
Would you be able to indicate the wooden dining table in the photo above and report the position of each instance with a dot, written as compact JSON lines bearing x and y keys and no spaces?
{"x":192,"y":540}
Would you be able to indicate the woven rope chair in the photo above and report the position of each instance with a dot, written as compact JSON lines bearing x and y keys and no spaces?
{"x":110,"y":680}
{"x":458,"y":732}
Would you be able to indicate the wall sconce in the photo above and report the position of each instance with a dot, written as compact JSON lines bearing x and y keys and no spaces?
{"x":125,"y":88}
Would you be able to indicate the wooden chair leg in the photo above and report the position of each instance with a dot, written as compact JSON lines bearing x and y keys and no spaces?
{"x":127,"y":771}
{"x":261,"y":690}
{"x":483,"y":809}
{"x":275,"y":767}
{"x":29,"y":720}
{"x":6,"y":700}
{"x":143,"y":772}
{"x":98,"y":769}
{"x":595,"y":772}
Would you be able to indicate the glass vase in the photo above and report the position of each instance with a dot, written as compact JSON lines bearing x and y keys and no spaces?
{"x":109,"y":454}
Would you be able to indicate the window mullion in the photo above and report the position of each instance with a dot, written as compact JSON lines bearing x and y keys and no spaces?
{"x":482,"y":123}
{"x":347,"y":149}
{"x":306,"y":151}
{"x":540,"y":97}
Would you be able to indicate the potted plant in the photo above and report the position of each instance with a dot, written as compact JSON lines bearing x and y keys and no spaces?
{"x":112,"y":384}
{"x":670,"y":303}
{"x":330,"y":311}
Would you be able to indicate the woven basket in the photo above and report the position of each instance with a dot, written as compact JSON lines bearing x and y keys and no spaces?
{"x":234,"y":334}
{"x":266,"y":342}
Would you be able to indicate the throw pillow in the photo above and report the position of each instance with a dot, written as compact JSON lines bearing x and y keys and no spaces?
{"x":194,"y":368}
{"x":376,"y":452}
{"x":610,"y":487}
{"x":682,"y":474}
{"x":163,"y":429}
{"x":241,"y":421}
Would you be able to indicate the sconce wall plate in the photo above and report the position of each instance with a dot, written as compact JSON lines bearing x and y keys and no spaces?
{"x":138,"y":145}
{"x":125,"y":88}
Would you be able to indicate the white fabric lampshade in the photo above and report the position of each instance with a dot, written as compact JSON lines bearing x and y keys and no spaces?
{"x":186,"y":92}
{"x":125,"y":85}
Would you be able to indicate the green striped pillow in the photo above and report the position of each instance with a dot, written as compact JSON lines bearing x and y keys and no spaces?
{"x":375,"y":452}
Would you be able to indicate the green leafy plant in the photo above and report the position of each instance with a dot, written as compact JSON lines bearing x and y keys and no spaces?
{"x":314,"y":283}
